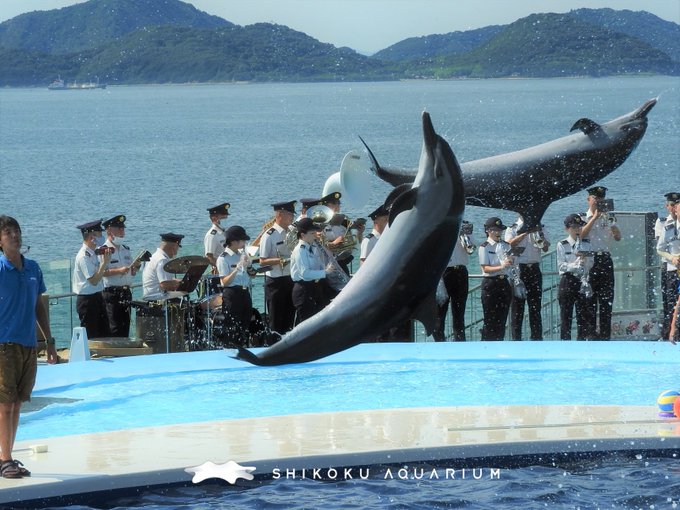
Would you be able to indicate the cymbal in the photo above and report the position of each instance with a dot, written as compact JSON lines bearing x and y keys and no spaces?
{"x":182,"y":264}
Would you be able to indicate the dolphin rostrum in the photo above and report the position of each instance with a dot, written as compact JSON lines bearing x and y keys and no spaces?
{"x":399,"y":279}
{"x":529,"y":180}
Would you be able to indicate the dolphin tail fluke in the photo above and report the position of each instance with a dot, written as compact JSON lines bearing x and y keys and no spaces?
{"x":245,"y":355}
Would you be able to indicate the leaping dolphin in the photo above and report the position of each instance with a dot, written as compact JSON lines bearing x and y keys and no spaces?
{"x":399,"y":279}
{"x":529,"y":180}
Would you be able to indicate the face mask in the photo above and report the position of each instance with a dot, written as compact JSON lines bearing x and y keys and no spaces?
{"x":99,"y":241}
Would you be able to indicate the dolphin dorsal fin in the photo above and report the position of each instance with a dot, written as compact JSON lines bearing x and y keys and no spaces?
{"x":402,"y":203}
{"x":427,"y":313}
{"x":585,"y":125}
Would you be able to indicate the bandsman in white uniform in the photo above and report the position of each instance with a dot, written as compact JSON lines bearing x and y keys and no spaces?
{"x":530,"y":273}
{"x":308,"y":272}
{"x":668,"y":248}
{"x":456,"y":283}
{"x":156,"y":281}
{"x":235,"y":275}
{"x":118,"y":278}
{"x":278,"y":285}
{"x":574,"y":264}
{"x":496,"y":290}
{"x":601,"y":231}
{"x":214,"y":240}
{"x":380,"y":218}
{"x":88,"y":273}
{"x":305,"y":204}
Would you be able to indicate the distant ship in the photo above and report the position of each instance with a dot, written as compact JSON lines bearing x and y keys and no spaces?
{"x":60,"y":84}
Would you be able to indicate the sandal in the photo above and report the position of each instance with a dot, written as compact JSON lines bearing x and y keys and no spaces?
{"x":9,"y":469}
{"x":20,"y":466}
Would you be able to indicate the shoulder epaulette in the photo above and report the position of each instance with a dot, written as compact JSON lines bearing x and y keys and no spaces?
{"x":370,"y":236}
{"x":223,"y":254}
{"x":126,"y":247}
{"x":669,"y":226}
{"x":271,"y":231}
{"x":213,"y":232}
{"x":564,"y":241}
{"x":485,"y":244}
{"x":585,"y":240}
{"x":88,"y":253}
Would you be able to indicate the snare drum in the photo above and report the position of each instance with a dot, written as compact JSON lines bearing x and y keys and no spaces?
{"x":210,"y":292}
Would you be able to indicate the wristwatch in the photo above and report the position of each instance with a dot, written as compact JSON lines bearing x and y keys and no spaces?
{"x":51,"y":341}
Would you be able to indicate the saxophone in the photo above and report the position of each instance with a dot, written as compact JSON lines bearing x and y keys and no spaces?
{"x":518,"y":288}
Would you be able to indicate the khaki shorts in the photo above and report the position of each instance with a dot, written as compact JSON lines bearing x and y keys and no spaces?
{"x":18,"y":368}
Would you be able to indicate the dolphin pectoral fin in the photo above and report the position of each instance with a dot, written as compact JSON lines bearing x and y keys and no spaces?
{"x":403,"y":202}
{"x":246,"y":355}
{"x":395,"y":193}
{"x":585,"y":125}
{"x":427,"y":313}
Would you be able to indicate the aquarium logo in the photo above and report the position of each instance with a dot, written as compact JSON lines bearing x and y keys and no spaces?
{"x":229,"y":472}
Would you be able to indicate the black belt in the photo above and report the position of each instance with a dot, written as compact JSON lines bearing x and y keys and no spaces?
{"x":236,"y":287}
{"x":305,"y":282}
{"x":530,"y":264}
{"x":117,"y":287}
{"x":460,"y":266}
{"x":499,"y":277}
{"x":602,"y":254}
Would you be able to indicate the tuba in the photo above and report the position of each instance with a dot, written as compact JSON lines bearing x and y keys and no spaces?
{"x":353,"y":180}
{"x":537,"y":239}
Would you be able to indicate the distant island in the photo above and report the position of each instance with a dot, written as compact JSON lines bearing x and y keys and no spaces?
{"x":169,"y":41}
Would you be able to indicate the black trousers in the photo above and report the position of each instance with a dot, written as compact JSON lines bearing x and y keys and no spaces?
{"x":496,"y":297}
{"x":278,"y":295}
{"x":601,"y":279}
{"x":532,"y":277}
{"x":308,"y":298}
{"x":456,"y":283}
{"x":237,"y":306}
{"x":568,"y":296}
{"x":669,"y":295}
{"x":92,"y":315}
{"x":117,"y":302}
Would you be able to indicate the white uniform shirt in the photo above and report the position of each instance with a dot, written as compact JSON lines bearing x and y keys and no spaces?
{"x":122,"y":257}
{"x":227,"y":262}
{"x":669,"y":242}
{"x":332,"y":232}
{"x":306,"y":264}
{"x":154,"y":273}
{"x":86,"y":266}
{"x":459,"y":256}
{"x":489,"y":255}
{"x":214,"y":241}
{"x":531,"y":254}
{"x":272,"y":244}
{"x":659,"y":225}
{"x":600,"y":235}
{"x":568,"y":262}
{"x":368,"y":243}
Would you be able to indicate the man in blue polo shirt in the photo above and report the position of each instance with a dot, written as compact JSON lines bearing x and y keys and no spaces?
{"x":21,"y":286}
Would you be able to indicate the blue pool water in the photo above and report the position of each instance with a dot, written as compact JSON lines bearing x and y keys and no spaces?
{"x":203,"y":386}
{"x":193,"y":387}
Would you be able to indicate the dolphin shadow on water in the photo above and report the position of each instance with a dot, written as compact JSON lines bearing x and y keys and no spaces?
{"x":529,"y":180}
{"x":398,"y":281}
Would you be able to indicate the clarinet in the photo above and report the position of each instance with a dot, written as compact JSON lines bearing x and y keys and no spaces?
{"x":518,"y":287}
{"x":586,"y":290}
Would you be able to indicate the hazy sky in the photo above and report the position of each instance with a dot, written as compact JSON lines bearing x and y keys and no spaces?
{"x":371,"y":25}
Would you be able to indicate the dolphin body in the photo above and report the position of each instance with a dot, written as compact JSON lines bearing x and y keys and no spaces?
{"x":529,"y":180}
{"x":399,"y":279}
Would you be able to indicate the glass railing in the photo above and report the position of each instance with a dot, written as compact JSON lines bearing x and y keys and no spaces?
{"x":636,"y":304}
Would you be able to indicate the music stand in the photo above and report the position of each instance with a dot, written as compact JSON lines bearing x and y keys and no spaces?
{"x":186,"y":286}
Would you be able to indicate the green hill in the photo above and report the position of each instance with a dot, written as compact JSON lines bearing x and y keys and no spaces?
{"x":91,"y":24}
{"x":548,"y":45}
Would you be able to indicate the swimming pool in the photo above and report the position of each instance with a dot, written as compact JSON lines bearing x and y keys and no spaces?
{"x":124,"y":393}
{"x":480,"y":405}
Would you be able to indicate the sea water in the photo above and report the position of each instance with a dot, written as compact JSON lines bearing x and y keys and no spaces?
{"x":163,"y":154}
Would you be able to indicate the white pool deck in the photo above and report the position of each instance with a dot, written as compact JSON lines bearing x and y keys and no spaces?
{"x":155,"y":456}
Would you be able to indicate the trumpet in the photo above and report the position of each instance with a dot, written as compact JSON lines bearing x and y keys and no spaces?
{"x":537,"y":238}
{"x":466,"y":239}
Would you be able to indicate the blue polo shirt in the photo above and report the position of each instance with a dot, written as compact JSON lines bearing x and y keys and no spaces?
{"x":19,"y":292}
